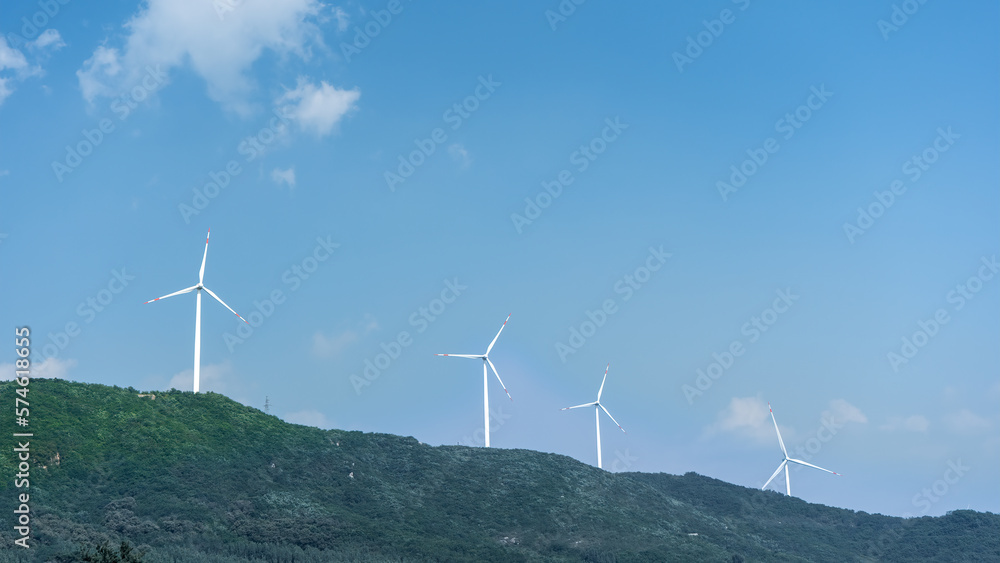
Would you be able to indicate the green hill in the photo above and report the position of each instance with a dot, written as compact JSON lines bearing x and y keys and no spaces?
{"x":189,"y":477}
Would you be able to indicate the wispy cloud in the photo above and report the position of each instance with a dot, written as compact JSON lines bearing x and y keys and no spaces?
{"x":749,"y":418}
{"x":843,"y":412}
{"x":317,"y":109}
{"x":175,"y":33}
{"x":745,"y":417}
{"x":460,"y":154}
{"x":49,"y":39}
{"x":912,"y":423}
{"x":14,"y":66}
{"x":342,"y":19}
{"x":332,"y":345}
{"x":49,"y":368}
{"x":284,"y":177}
{"x":966,"y":422}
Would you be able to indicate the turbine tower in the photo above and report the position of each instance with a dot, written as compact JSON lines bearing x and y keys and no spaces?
{"x":486,"y":390}
{"x":598,"y":407}
{"x":197,"y":313}
{"x":784,"y":464}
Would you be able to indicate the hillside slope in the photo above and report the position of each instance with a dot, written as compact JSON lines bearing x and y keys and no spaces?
{"x":203,"y":478}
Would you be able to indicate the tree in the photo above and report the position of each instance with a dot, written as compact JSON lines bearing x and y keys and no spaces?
{"x":106,"y":554}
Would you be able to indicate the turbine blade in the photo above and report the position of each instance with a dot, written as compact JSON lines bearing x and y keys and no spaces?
{"x":188,"y":290}
{"x":462,"y":356}
{"x":612,"y":418}
{"x":201,"y":272}
{"x":775,"y":474}
{"x":494,"y":368}
{"x":224,"y":304}
{"x":578,"y":406}
{"x":780,"y":442}
{"x":497,"y":336}
{"x":800,"y":462}
{"x":601,"y":390}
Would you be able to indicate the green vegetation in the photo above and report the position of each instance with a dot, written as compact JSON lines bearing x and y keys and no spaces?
{"x":192,"y":478}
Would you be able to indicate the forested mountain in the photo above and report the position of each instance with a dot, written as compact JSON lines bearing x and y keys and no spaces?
{"x":185,"y":477}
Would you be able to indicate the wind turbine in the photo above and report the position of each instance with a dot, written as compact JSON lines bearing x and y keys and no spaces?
{"x":197,"y":315}
{"x":784,"y":464}
{"x":486,"y":391}
{"x":598,"y":407}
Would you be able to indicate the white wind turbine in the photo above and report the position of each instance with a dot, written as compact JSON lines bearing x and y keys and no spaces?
{"x":598,"y":407}
{"x":197,"y":315}
{"x":784,"y":464}
{"x":486,"y":391}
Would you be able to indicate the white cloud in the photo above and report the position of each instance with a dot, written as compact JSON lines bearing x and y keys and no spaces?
{"x":11,"y":58}
{"x":913,"y":423}
{"x":220,"y":48}
{"x":52,"y":368}
{"x":104,"y":66}
{"x":49,"y":368}
{"x":49,"y":38}
{"x":286,"y":177}
{"x":966,"y":422}
{"x":327,"y":346}
{"x":459,"y":154}
{"x":317,"y":109}
{"x":749,"y":418}
{"x":214,"y":377}
{"x":746,"y":417}
{"x":342,"y":19}
{"x":5,"y":90}
{"x":308,"y":418}
{"x":14,"y":68}
{"x":843,"y":412}
{"x":7,"y":372}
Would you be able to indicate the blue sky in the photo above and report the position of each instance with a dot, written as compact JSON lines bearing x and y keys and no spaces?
{"x":806,"y":185}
